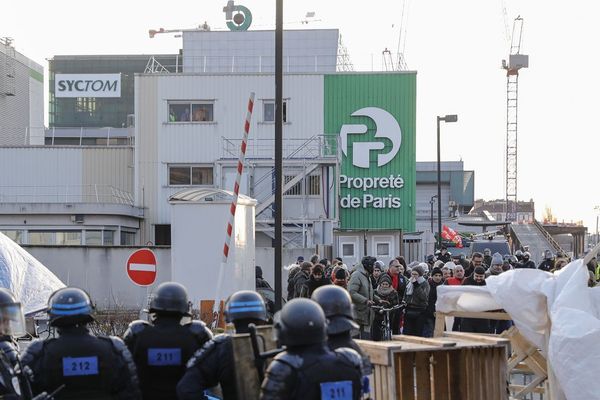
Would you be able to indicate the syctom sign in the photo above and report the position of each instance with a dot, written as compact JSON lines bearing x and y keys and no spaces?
{"x":375,"y":117}
{"x":87,"y":85}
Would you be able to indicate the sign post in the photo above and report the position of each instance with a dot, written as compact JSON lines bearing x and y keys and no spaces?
{"x":141,"y":267}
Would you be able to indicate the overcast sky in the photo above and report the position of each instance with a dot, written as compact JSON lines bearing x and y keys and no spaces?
{"x":455,"y":46}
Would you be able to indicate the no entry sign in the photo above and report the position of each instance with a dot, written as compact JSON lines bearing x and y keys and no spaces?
{"x":141,"y":267}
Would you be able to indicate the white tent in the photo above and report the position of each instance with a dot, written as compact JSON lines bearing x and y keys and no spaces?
{"x":29,"y":280}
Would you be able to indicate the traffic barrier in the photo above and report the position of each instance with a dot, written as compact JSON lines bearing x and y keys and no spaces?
{"x":451,"y":367}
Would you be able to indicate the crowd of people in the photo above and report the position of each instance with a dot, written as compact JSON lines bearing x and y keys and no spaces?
{"x":413,"y":285}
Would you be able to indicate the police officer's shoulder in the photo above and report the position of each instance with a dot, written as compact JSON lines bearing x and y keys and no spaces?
{"x":198,"y":328}
{"x":208,"y":348}
{"x":34,"y":350}
{"x":293,"y":360}
{"x":349,"y":355}
{"x":138,"y":326}
{"x":117,"y":344}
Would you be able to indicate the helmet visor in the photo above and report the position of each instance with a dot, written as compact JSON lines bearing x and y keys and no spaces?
{"x":12,"y":321}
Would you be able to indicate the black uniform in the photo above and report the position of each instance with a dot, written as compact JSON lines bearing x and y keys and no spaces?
{"x":213,"y":364}
{"x":546,"y":265}
{"x":314,"y":373}
{"x":161,"y":350}
{"x":91,"y":367}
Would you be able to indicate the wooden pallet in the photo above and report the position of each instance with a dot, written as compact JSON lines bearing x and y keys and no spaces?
{"x":452,"y":367}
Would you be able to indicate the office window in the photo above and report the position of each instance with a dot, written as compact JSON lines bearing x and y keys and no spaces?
{"x":127,"y":238}
{"x":189,"y":175}
{"x":269,"y":111}
{"x":191,"y":111}
{"x":162,"y":235}
{"x":93,"y":238}
{"x":15,"y":236}
{"x":69,"y":238}
{"x":348,"y":250}
{"x":383,"y":249}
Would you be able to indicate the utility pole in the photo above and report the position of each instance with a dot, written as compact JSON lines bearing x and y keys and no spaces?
{"x":278,"y":262}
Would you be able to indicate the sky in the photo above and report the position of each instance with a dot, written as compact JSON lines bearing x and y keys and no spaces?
{"x":456,"y":47}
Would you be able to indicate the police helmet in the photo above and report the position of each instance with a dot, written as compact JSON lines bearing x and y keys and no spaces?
{"x":337,"y":306}
{"x":548,"y":255}
{"x":170,"y":298}
{"x":368,"y":262}
{"x":518,"y":253}
{"x":70,"y":306}
{"x":527,"y":255}
{"x":12,"y":322}
{"x":301,"y":322}
{"x":430,"y":258}
{"x":245,"y":304}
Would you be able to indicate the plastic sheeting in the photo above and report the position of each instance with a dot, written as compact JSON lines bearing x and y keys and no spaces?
{"x":29,"y":280}
{"x":556,"y":309}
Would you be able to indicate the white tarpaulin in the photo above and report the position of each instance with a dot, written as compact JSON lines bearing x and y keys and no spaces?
{"x":536,"y":301}
{"x":29,"y":280}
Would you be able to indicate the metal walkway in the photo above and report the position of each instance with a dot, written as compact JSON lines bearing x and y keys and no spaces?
{"x":532,"y":236}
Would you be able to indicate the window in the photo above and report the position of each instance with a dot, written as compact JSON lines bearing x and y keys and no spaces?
{"x":162,"y":235}
{"x":72,"y":238}
{"x":127,"y":238}
{"x":348,"y":250}
{"x":383,"y":249}
{"x":295,"y":190}
{"x":93,"y":238}
{"x":269,"y":111}
{"x":15,"y":236}
{"x":191,"y":111}
{"x":190,"y":175}
{"x":314,"y":185}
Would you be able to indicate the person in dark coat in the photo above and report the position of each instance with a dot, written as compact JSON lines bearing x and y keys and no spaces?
{"x":302,"y":277}
{"x":475,"y":325}
{"x":260,"y":281}
{"x":526,"y":262}
{"x":388,"y":298}
{"x":435,"y":281}
{"x":416,"y":298}
{"x":315,"y":280}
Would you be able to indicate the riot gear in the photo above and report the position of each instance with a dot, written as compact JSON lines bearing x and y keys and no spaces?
{"x":91,"y":367}
{"x":12,"y":321}
{"x":161,"y":349}
{"x":308,"y":369}
{"x":245,"y":304}
{"x":337,"y":306}
{"x":170,"y":297}
{"x":70,"y":306}
{"x":301,"y":322}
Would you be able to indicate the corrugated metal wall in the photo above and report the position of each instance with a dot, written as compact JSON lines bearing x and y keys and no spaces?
{"x":112,"y":166}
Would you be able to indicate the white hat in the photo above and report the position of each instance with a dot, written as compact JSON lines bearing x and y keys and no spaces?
{"x":450,"y":265}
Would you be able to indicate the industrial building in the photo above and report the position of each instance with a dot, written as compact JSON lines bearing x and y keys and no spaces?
{"x":21,"y":98}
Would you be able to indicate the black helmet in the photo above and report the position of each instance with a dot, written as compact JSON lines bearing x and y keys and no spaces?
{"x":430,"y":258}
{"x":518,"y":253}
{"x":368,"y":262}
{"x":337,"y":306}
{"x":245,"y":304}
{"x":301,"y":322}
{"x":526,"y":255}
{"x":70,"y":306}
{"x":171,"y":298}
{"x":12,"y":321}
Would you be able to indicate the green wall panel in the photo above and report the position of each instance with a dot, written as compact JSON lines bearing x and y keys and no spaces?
{"x":387,"y":97}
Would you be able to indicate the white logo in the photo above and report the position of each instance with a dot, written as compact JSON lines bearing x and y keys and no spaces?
{"x":386,"y":126}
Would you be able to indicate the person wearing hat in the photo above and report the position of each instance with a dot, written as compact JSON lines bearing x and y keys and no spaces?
{"x":339,"y":277}
{"x":436,"y":279}
{"x":388,"y":298}
{"x":444,"y":256}
{"x":495,"y":265}
{"x":377,"y":271}
{"x":416,"y":298}
{"x":548,"y":263}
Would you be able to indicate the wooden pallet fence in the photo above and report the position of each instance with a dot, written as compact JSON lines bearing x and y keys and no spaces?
{"x":444,"y":368}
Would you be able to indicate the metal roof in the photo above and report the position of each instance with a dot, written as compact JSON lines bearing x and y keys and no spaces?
{"x":202,"y":195}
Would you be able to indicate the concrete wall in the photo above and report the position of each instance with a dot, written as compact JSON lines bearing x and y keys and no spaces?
{"x":101,"y":271}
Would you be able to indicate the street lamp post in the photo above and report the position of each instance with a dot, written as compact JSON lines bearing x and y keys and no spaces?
{"x":447,"y":118}
{"x":431,"y":204}
{"x":597,"y":209}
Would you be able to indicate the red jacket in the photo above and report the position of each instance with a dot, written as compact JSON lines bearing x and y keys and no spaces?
{"x":454,"y":281}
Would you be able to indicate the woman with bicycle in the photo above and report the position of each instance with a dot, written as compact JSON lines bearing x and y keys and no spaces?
{"x":389,"y":298}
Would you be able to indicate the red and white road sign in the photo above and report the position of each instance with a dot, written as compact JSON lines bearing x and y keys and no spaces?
{"x":141,"y":267}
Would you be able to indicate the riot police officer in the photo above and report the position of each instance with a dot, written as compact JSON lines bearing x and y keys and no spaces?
{"x":213,"y":364}
{"x":161,"y":347}
{"x":308,"y":369}
{"x":13,"y":385}
{"x":90,"y":367}
{"x":337,"y":306}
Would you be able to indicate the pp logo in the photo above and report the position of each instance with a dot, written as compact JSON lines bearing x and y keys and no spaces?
{"x":241,"y":21}
{"x":386,"y":126}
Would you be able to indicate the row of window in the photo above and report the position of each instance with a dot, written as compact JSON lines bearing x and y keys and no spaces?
{"x":199,"y":175}
{"x":70,"y":238}
{"x":203,"y":111}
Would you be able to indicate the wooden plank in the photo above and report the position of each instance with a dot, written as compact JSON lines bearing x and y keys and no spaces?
{"x":495,"y":340}
{"x":379,"y":352}
{"x":441,"y":380}
{"x":405,"y":369}
{"x":497,"y":315}
{"x":378,"y":386}
{"x":423,"y":377}
{"x":427,"y":341}
{"x":440,"y":323}
{"x":458,"y":385}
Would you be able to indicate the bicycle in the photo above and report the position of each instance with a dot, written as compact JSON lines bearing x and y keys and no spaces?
{"x":386,"y":327}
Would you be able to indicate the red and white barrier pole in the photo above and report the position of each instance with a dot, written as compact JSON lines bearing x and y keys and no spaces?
{"x":236,"y":192}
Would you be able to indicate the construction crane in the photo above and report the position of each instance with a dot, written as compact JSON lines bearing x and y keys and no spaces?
{"x":516,"y":61}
